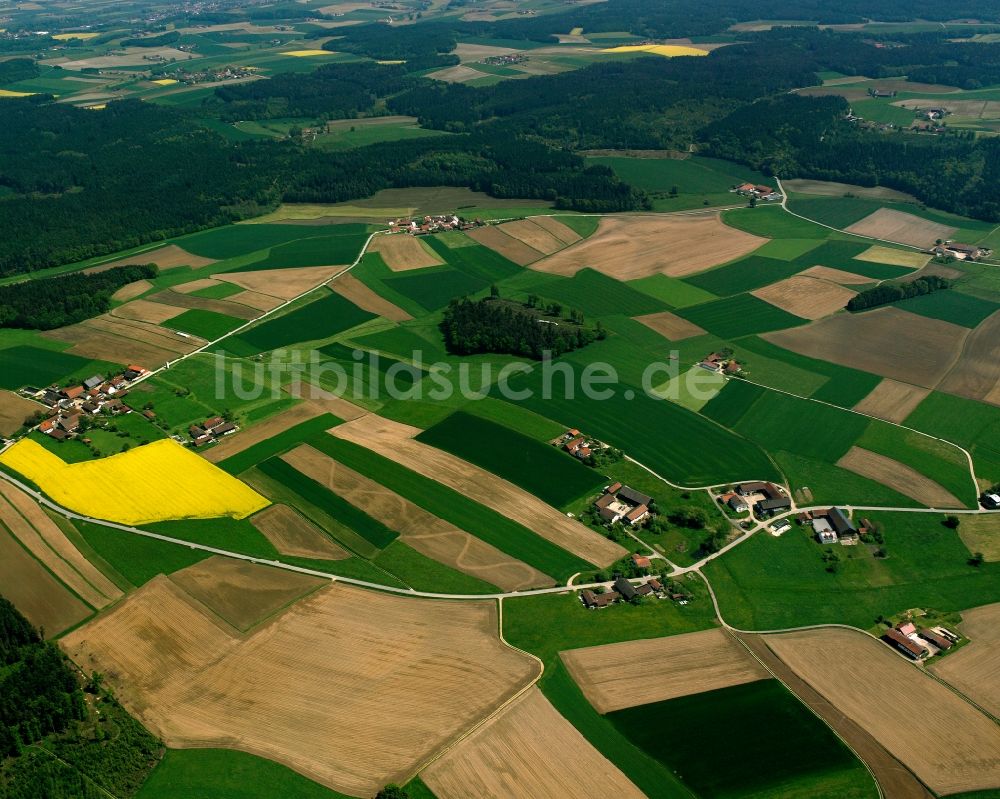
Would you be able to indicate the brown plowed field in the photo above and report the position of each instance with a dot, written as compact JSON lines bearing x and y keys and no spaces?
{"x":253,"y":299}
{"x":283,"y":283}
{"x":892,"y":400}
{"x":535,"y":236}
{"x":402,"y":252}
{"x":836,"y":276}
{"x":901,"y":227}
{"x":419,"y":529}
{"x":243,"y":593}
{"x":899,"y":477}
{"x":395,"y":442}
{"x":132,"y":290}
{"x":169,"y":257}
{"x":352,"y":688}
{"x":145,"y":311}
{"x":197,"y":285}
{"x":528,"y":751}
{"x":42,"y":537}
{"x":351,"y":288}
{"x":616,"y":676}
{"x":975,"y":668}
{"x":92,"y":343}
{"x":43,"y":600}
{"x":670,"y":325}
{"x":629,"y":247}
{"x":977,"y":373}
{"x":895,"y":780}
{"x":176,"y":299}
{"x":292,"y":534}
{"x":14,"y":410}
{"x":947,"y":743}
{"x":806,"y":297}
{"x":886,"y":342}
{"x":509,"y":247}
{"x":564,"y":233}
{"x":132,"y":330}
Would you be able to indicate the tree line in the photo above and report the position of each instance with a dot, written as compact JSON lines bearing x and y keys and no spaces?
{"x":59,"y":301}
{"x":492,"y":325}
{"x":888,"y":293}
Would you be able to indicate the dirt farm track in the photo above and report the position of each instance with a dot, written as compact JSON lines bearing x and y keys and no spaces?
{"x":351,"y":688}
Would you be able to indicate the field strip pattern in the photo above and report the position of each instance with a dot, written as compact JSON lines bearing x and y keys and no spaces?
{"x":617,"y":676}
{"x":899,"y":477}
{"x":395,"y":441}
{"x":975,"y":669}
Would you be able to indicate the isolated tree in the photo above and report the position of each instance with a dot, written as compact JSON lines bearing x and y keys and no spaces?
{"x":977,"y":559}
{"x":951,"y":522}
{"x":753,"y":200}
{"x":392,"y":792}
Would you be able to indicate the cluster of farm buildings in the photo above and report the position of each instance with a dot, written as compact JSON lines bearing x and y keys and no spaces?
{"x":94,"y":395}
{"x":920,"y":643}
{"x":619,"y":503}
{"x":505,"y":60}
{"x":959,"y":251}
{"x":758,"y":191}
{"x":721,"y":362}
{"x":211,"y":430}
{"x":624,"y":591}
{"x":432,"y":224}
{"x":834,"y":525}
{"x":577,"y":445}
{"x":766,"y":499}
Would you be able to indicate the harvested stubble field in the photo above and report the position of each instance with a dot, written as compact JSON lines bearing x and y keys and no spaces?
{"x":45,"y":601}
{"x":888,"y":255}
{"x":511,"y":248}
{"x":982,"y":534}
{"x":131,"y":291}
{"x":899,"y":477}
{"x":537,"y":237}
{"x":104,"y":345}
{"x":888,"y":697}
{"x":198,"y":285}
{"x":253,"y":299}
{"x":140,"y":331}
{"x":670,"y":325}
{"x":627,"y":248}
{"x":169,"y":257}
{"x":528,"y":751}
{"x":807,"y":297}
{"x":892,"y":400}
{"x":241,"y":593}
{"x":292,"y":534}
{"x":976,"y":375}
{"x":395,"y":441}
{"x":836,"y":276}
{"x":351,"y":288}
{"x":41,"y":536}
{"x":565,"y":234}
{"x":874,"y":342}
{"x":14,"y":410}
{"x":616,"y":676}
{"x":402,"y":252}
{"x":178,"y":300}
{"x":154,"y":482}
{"x":426,"y":533}
{"x":824,"y":188}
{"x":351,"y":688}
{"x":282,"y":283}
{"x":898,"y":226}
{"x":975,"y":669}
{"x":154,"y":313}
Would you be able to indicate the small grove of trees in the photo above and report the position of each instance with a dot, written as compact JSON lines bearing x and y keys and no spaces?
{"x":894,"y":292}
{"x":58,"y":301}
{"x":491,"y":325}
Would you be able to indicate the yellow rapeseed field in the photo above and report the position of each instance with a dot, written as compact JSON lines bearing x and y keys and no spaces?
{"x":669,"y":50}
{"x":164,"y":82}
{"x":306,"y":53}
{"x":9,"y":93}
{"x":62,"y":37}
{"x":152,"y":483}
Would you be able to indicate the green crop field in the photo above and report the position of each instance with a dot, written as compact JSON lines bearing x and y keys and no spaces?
{"x":784,"y":750}
{"x":951,"y":306}
{"x":474,"y":260}
{"x":238,"y":535}
{"x":674,"y":292}
{"x":232,"y":240}
{"x":341,"y":137}
{"x":434,"y":288}
{"x":445,"y":503}
{"x":832,"y":485}
{"x":962,"y":421}
{"x":219,"y":292}
{"x":597,"y":294}
{"x":425,"y":574}
{"x":676,"y":443}
{"x":516,"y":418}
{"x":733,"y":402}
{"x":770,"y":583}
{"x":842,"y":255}
{"x":772,"y":222}
{"x":540,"y":469}
{"x":838,"y":212}
{"x":372,"y":530}
{"x":26,"y":365}
{"x":744,"y":275}
{"x":322,"y":318}
{"x":787,"y":249}
{"x":741,"y":315}
{"x":134,"y":557}
{"x":208,"y":325}
{"x":337,"y":248}
{"x":227,"y":774}
{"x":584,"y":226}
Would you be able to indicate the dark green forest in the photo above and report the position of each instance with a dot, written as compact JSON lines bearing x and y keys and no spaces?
{"x":59,"y":301}
{"x":888,"y":293}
